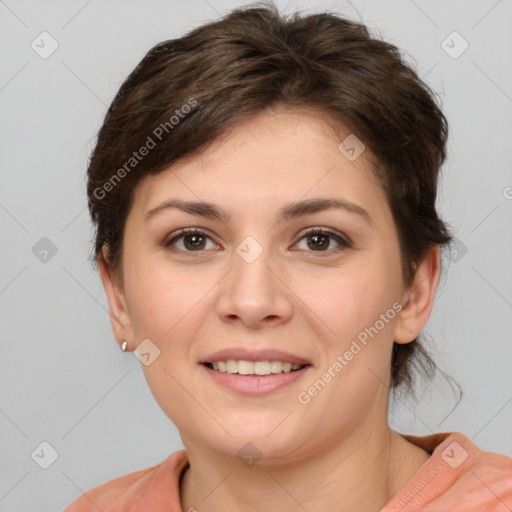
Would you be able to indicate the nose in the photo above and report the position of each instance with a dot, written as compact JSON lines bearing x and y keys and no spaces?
{"x":255,"y":292}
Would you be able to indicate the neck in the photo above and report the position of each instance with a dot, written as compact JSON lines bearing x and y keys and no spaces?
{"x":361,"y":472}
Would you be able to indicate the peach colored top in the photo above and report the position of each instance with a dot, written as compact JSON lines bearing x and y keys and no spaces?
{"x":458,"y":477}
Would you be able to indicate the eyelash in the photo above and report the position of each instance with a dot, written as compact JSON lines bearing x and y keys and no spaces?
{"x":344,"y":241}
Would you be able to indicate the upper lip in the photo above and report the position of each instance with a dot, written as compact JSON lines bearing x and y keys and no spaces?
{"x":254,"y":355}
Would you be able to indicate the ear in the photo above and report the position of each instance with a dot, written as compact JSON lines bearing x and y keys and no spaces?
{"x":119,"y":317}
{"x":418,"y":300}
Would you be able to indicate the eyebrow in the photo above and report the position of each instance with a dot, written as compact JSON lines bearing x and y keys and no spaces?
{"x":288,"y":211}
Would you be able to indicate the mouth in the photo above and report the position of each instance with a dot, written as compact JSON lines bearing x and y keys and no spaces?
{"x":254,"y":372}
{"x":254,"y":368}
{"x":255,"y":378}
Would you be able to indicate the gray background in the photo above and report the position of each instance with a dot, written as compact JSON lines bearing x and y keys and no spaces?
{"x":64,"y":380}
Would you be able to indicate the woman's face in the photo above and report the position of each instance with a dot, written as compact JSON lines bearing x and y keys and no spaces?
{"x":257,"y":281}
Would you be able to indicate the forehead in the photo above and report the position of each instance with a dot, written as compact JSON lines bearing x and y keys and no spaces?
{"x":277,"y":156}
{"x":279,"y":128}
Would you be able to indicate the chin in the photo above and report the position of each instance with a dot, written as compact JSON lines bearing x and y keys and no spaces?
{"x":270,"y":440}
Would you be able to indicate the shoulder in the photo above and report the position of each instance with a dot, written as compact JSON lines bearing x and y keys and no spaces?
{"x":459,"y":475}
{"x":460,"y":453}
{"x":483,"y":478}
{"x":152,"y":486}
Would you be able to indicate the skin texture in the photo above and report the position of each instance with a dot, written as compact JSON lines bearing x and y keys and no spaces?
{"x":336,"y":452}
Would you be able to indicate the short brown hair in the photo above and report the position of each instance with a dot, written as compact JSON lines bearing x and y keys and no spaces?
{"x":191,"y":90}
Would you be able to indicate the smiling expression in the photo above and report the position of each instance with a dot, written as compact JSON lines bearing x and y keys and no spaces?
{"x":290,"y":247}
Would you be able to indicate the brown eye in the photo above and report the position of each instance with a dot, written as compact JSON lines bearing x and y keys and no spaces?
{"x":319,"y":240}
{"x":194,"y":240}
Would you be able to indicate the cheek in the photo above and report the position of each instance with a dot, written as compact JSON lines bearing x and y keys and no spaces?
{"x":160,"y":297}
{"x":356,"y":365}
{"x":356,"y":301}
{"x":151,"y":308}
{"x":362,"y":316}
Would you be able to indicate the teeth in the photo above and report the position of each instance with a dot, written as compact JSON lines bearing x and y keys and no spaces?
{"x":232,"y":366}
{"x":245,"y":367}
{"x":276,"y":366}
{"x":254,"y":367}
{"x":262,"y":368}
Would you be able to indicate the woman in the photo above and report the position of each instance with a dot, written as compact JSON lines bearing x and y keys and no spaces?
{"x":264,"y":195}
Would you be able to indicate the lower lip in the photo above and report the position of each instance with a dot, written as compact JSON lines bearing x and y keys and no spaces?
{"x":256,"y":385}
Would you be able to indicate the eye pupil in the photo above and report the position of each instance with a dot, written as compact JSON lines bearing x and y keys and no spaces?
{"x":318,"y":237}
{"x":197,"y":242}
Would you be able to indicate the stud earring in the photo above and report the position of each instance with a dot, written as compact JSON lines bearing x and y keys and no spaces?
{"x":124,"y":345}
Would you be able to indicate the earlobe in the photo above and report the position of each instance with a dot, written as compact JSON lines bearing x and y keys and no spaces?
{"x":419,"y":299}
{"x":119,"y":317}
